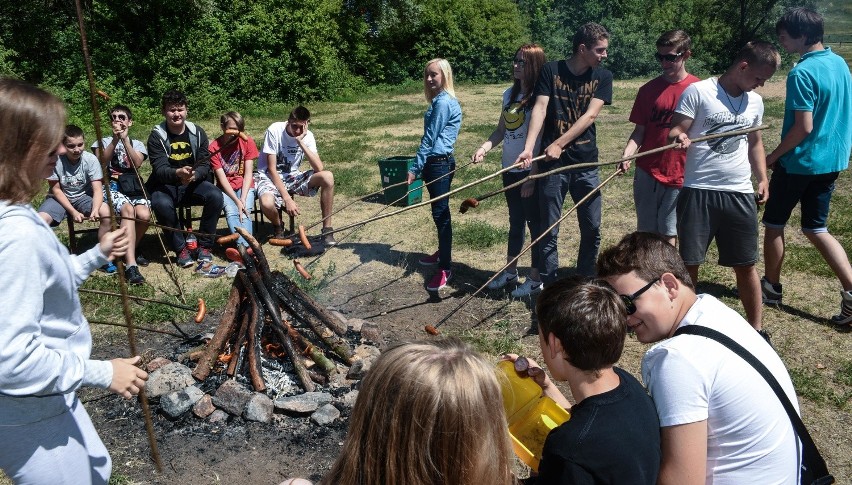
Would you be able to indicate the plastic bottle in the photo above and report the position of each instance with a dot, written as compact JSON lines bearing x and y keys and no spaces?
{"x":191,"y":241}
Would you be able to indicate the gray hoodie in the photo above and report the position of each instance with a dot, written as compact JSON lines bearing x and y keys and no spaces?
{"x":45,"y":341}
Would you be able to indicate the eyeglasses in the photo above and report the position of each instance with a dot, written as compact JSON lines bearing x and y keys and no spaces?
{"x":667,"y":57}
{"x":519,"y":62}
{"x":119,"y":117}
{"x":630,"y":300}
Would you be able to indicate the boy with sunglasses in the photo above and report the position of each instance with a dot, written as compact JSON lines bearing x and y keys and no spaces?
{"x":124,"y":156}
{"x":659,"y":177}
{"x":720,"y":421}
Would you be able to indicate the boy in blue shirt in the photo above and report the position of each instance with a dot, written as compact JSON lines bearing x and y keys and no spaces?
{"x":815,"y":145}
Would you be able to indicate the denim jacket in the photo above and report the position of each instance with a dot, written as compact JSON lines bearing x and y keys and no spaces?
{"x":441,"y":125}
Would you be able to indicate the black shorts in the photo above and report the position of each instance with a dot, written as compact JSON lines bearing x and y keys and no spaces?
{"x":728,"y":217}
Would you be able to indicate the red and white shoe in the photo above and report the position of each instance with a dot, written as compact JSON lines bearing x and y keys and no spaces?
{"x":440,"y":280}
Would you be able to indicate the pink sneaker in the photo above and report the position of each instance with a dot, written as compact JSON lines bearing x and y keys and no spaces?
{"x":429,"y":260}
{"x":439,"y":280}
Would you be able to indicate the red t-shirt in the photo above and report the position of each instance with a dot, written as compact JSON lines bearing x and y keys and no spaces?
{"x":655,"y":103}
{"x":232,"y":159}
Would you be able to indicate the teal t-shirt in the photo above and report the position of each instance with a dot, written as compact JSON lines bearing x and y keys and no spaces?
{"x":820,"y":83}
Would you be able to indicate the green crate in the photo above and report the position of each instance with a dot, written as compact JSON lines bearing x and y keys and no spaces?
{"x":394,"y":170}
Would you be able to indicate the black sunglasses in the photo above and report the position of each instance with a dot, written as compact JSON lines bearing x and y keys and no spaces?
{"x":630,"y":300}
{"x":119,"y":117}
{"x":667,"y":57}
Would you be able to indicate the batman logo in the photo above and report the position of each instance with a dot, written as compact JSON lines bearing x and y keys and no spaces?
{"x":180,"y":156}
{"x":514,"y":116}
{"x":179,"y":145}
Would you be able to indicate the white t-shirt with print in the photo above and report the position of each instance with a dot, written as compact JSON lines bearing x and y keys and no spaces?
{"x":288,"y":153}
{"x":516,"y":120}
{"x":691,"y":378}
{"x":720,"y":164}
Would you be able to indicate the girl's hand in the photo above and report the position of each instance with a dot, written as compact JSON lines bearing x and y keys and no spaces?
{"x":127,"y":379}
{"x":114,"y":244}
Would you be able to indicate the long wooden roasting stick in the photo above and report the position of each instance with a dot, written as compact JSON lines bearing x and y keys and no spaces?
{"x":433,"y":329}
{"x":200,"y":311}
{"x":474,"y":201}
{"x":430,"y":201}
{"x":122,"y":283}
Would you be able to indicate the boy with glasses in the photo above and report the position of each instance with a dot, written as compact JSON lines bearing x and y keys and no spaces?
{"x":718,"y":200}
{"x":721,"y":422}
{"x":816,"y":140}
{"x":659,"y":177}
{"x":124,"y":156}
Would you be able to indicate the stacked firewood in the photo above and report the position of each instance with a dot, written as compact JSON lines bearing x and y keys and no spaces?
{"x":267,"y":309}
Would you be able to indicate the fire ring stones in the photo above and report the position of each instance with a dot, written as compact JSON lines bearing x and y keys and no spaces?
{"x":305,"y":403}
{"x":168,"y":378}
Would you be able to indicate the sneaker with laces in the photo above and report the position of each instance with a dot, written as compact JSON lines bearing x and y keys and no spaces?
{"x":109,"y":268}
{"x":142,"y":260}
{"x":845,"y":315}
{"x":429,"y":260}
{"x":133,"y":276}
{"x":527,"y":288}
{"x":205,"y":255}
{"x":439,"y":280}
{"x":328,"y":238}
{"x":771,"y":292}
{"x":504,"y":279}
{"x":184,"y":258}
{"x":234,"y":255}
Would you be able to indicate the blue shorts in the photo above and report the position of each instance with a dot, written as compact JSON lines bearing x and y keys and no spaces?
{"x":786,"y":190}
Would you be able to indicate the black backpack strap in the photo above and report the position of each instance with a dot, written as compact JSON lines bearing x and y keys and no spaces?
{"x":810,"y":453}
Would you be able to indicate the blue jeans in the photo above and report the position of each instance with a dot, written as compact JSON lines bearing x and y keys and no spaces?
{"x":441,"y":209}
{"x":523,"y":213}
{"x":232,"y":214}
{"x":551,"y":196}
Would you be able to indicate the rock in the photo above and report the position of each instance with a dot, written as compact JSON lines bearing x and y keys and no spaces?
{"x":168,"y":378}
{"x":359,"y":369}
{"x":176,"y":403}
{"x":340,"y":318}
{"x":370,"y":333}
{"x":348,"y":399}
{"x":204,"y":407}
{"x":367,"y":351}
{"x":259,"y":408}
{"x":303,"y":403}
{"x":156,"y":363}
{"x":218,"y":416}
{"x":232,"y":397}
{"x":325,"y":415}
{"x":355,"y":324}
{"x":339,"y":379}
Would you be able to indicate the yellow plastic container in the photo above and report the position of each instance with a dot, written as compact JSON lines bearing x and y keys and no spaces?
{"x":530,"y":415}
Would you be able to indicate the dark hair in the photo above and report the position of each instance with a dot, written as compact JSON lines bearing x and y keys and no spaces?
{"x":121,"y":107}
{"x":587,"y":316}
{"x":73,"y":131}
{"x":533,"y":56}
{"x":300,"y":113}
{"x":758,"y":53}
{"x":675,"y":38}
{"x":648,"y":254}
{"x":173,"y":96}
{"x":588,"y":34}
{"x":798,"y":22}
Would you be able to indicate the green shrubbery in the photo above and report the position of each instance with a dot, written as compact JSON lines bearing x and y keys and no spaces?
{"x":238,"y":53}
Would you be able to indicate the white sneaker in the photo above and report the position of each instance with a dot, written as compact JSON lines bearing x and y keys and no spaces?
{"x":527,"y":288}
{"x":502,"y":280}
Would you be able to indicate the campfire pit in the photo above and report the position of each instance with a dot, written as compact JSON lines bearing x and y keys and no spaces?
{"x":268,"y":314}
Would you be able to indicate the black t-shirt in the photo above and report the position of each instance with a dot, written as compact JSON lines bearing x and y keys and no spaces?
{"x":570,"y":96}
{"x":611,"y":438}
{"x":181,"y":151}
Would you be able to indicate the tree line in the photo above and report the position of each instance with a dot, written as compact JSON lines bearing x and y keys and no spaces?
{"x":235,"y":53}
